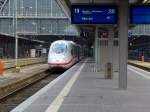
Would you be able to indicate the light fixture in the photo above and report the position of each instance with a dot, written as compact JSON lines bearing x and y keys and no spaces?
{"x":144,"y":1}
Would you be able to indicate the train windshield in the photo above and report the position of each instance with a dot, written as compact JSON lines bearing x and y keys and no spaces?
{"x":59,"y":48}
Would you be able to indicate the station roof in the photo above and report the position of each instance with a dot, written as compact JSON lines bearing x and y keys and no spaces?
{"x":66,"y":5}
{"x":99,"y":1}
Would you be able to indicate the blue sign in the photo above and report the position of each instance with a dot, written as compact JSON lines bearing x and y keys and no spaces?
{"x":94,"y":14}
{"x":140,"y":14}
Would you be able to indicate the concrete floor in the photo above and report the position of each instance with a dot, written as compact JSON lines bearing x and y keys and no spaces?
{"x":90,"y":92}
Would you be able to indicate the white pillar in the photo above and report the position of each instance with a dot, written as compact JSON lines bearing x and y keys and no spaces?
{"x":36,"y":8}
{"x":96,"y":45}
{"x":51,"y":8}
{"x":9,"y":8}
{"x":16,"y":36}
{"x":110,"y":46}
{"x":97,"y":56}
{"x":123,"y":42}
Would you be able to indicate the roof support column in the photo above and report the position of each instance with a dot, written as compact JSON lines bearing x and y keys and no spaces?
{"x":123,"y":42}
{"x":97,"y":57}
{"x":110,"y":47}
{"x":15,"y":25}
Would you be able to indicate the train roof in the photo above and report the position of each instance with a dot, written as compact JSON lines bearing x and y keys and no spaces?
{"x":64,"y":41}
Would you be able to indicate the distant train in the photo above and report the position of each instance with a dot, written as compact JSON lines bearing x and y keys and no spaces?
{"x":64,"y":54}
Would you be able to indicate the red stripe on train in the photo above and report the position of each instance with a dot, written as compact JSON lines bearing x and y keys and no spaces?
{"x":65,"y":63}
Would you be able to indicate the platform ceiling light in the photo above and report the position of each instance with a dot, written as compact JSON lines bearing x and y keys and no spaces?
{"x":144,"y":1}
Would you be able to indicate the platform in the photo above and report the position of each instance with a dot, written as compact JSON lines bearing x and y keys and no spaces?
{"x":143,"y":65}
{"x":81,"y":89}
{"x":10,"y":63}
{"x":24,"y":72}
{"x":11,"y":81}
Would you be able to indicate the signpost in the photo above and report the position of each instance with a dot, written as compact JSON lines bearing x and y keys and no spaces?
{"x":94,"y":14}
{"x":140,"y":14}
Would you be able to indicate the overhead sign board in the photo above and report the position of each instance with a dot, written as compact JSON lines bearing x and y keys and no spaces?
{"x":94,"y":14}
{"x":140,"y":14}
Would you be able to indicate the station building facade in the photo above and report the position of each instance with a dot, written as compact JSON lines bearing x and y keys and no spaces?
{"x":31,"y":17}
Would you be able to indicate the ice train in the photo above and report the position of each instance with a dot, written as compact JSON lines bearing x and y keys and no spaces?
{"x":64,"y":54}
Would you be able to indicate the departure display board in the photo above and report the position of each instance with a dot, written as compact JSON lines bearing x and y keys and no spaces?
{"x":140,"y":14}
{"x":94,"y":14}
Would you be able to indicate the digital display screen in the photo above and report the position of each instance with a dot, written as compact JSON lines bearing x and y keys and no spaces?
{"x":94,"y":14}
{"x":140,"y":14}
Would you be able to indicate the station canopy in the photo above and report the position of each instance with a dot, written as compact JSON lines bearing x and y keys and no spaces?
{"x":88,"y":27}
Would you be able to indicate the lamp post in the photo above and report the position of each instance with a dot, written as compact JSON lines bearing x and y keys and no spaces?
{"x":15,"y":35}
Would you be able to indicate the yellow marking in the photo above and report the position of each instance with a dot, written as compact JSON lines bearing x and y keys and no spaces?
{"x":9,"y":74}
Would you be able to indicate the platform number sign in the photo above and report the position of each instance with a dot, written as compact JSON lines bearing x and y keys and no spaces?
{"x":76,"y":10}
{"x":111,"y":11}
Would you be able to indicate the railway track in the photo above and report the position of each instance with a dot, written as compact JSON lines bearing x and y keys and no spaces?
{"x":11,"y":101}
{"x":23,"y":62}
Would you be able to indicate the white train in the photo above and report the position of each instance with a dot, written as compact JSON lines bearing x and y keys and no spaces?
{"x":63,"y":54}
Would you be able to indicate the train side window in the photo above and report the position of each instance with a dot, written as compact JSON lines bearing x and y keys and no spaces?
{"x":73,"y":51}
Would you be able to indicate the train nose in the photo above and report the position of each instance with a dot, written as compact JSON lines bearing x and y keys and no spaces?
{"x":57,"y":59}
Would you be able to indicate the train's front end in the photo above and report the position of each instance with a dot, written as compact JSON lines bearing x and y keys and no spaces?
{"x":59,"y":55}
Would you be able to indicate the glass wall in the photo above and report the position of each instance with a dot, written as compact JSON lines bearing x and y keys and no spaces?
{"x":140,"y":30}
{"x":37,"y":17}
